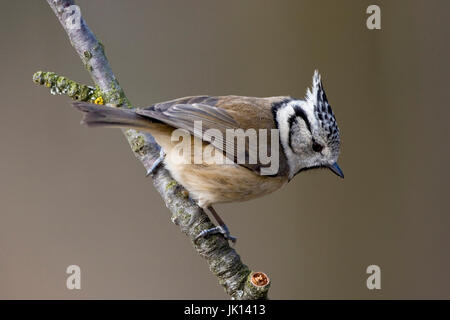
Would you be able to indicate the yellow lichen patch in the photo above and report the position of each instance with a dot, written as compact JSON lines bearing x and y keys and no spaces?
{"x":99,"y":100}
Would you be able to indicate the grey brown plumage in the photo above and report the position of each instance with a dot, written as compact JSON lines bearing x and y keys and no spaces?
{"x":220,"y":113}
{"x":207,"y":183}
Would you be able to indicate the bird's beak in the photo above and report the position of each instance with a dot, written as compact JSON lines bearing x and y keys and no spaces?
{"x":336,"y":170}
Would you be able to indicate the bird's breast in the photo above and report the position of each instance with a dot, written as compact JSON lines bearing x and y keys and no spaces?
{"x":220,"y":183}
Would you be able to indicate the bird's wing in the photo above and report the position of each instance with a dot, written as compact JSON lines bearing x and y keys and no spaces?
{"x":223,"y":113}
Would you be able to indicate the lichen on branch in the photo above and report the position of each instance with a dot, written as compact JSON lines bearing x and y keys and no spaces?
{"x":62,"y":85}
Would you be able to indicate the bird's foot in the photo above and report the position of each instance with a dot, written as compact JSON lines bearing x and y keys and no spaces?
{"x":222,"y":229}
{"x":156,"y":163}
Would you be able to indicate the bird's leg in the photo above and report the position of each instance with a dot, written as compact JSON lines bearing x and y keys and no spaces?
{"x":156,"y":163}
{"x":221,"y":228}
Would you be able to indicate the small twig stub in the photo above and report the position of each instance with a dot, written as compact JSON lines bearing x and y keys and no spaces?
{"x":260,"y":279}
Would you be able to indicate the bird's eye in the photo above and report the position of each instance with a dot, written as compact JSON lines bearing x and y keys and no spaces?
{"x":317,"y":147}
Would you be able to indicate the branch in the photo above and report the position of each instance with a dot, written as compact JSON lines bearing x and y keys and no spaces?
{"x":236,"y":278}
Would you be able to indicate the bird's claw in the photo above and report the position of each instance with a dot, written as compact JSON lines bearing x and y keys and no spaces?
{"x":222,"y":229}
{"x":156,"y":163}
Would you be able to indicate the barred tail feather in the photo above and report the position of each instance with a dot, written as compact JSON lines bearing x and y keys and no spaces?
{"x":103,"y":116}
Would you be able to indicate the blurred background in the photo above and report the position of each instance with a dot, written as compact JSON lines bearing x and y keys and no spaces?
{"x":72,"y":195}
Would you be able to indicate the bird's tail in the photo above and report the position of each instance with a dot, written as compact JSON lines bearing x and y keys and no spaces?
{"x":102,"y":116}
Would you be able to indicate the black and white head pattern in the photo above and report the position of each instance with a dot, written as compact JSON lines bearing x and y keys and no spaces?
{"x":308,"y":130}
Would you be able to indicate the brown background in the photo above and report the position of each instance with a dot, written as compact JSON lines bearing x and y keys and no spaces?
{"x":71,"y":195}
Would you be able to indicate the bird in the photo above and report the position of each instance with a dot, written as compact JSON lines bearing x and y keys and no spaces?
{"x":302,"y":134}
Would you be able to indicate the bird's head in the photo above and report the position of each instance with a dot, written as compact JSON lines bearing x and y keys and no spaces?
{"x":309,"y":133}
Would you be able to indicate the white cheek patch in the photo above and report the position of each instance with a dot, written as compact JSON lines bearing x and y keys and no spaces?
{"x":300,"y":136}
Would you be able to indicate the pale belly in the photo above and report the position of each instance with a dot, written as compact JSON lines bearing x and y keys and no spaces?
{"x":210,"y":184}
